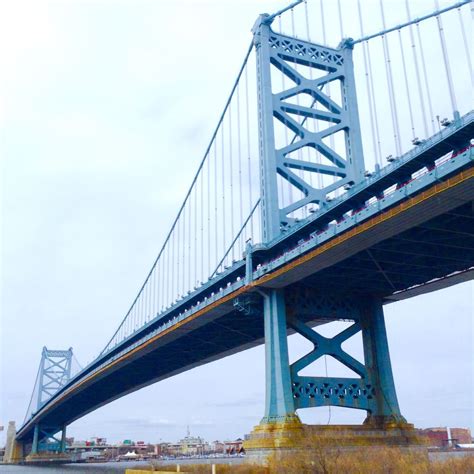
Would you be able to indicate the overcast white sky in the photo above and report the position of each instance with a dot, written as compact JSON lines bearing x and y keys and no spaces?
{"x":106,"y":109}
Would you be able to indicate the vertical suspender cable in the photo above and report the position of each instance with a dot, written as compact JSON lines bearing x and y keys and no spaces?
{"x":183,"y":276}
{"x":407,"y":87}
{"x":239,"y":154}
{"x":201,"y":270}
{"x":417,"y":71}
{"x":341,"y":27}
{"x":170,"y":265}
{"x":289,"y":188}
{"x":216,"y":197}
{"x":247,"y":113}
{"x":223,"y":191}
{"x":374,"y":102}
{"x":375,"y":138}
{"x":156,"y":305}
{"x":315,"y":123}
{"x":174,"y":263}
{"x":189,"y":242}
{"x":323,"y":23}
{"x":183,"y":254}
{"x":425,"y":77}
{"x":167,"y":253}
{"x":178,"y":260}
{"x":391,"y":92}
{"x":195,"y":237}
{"x":300,"y":173}
{"x":208,"y":234}
{"x":152,"y":295}
{"x":307,"y":20}
{"x":447,"y":67}
{"x":466,"y":46}
{"x":146,"y":302}
{"x":134,"y":309}
{"x":310,"y":78}
{"x":231,"y":178}
{"x":159,"y":286}
{"x":142,"y":307}
{"x":136,"y":314}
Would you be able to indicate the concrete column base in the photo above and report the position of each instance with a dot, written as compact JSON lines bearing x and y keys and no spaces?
{"x":48,"y":458}
{"x":273,"y":438}
{"x":13,"y":448}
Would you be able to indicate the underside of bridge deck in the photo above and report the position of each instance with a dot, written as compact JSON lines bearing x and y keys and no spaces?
{"x":392,"y":256}
{"x":434,"y":249}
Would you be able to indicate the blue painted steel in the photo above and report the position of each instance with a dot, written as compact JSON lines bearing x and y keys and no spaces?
{"x":276,"y":50}
{"x":377,"y":361}
{"x":285,"y":54}
{"x":279,"y":405}
{"x":350,"y":214}
{"x":34,"y":446}
{"x":373,"y":390}
{"x":234,"y":277}
{"x":55,"y":372}
{"x":45,"y":439}
{"x":329,"y":231}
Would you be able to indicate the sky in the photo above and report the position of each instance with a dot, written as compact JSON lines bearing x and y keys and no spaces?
{"x":106,"y":108}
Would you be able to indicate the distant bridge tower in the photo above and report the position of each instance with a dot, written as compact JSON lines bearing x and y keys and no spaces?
{"x":286,"y":390}
{"x":54,"y":372}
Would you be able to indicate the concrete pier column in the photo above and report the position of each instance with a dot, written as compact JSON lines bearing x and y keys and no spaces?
{"x":13,"y":448}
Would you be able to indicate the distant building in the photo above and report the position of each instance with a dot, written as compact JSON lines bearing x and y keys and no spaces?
{"x":217,"y":447}
{"x":234,"y":447}
{"x":99,"y":441}
{"x":444,"y":437}
{"x":189,"y":446}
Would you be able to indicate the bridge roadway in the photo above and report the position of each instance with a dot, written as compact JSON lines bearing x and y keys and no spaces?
{"x":406,"y":230}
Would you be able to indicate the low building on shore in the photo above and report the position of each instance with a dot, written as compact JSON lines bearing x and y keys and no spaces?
{"x":446,"y":437}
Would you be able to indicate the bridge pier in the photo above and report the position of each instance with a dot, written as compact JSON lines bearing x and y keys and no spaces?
{"x":46,"y":446}
{"x":385,"y":411}
{"x":287,"y":391}
{"x":279,"y":404}
{"x":14,"y":449}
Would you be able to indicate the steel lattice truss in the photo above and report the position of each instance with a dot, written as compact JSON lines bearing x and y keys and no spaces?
{"x":55,"y":372}
{"x":327,"y":66}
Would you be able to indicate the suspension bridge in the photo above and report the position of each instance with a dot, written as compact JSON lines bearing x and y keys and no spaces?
{"x":339,"y":178}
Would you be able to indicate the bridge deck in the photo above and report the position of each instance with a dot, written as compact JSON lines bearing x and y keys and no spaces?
{"x":427,"y":236}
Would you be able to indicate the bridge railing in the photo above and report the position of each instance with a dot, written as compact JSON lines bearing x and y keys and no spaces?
{"x":399,"y":73}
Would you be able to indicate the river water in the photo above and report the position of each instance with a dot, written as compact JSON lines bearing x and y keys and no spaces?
{"x":106,"y":468}
{"x":90,"y":468}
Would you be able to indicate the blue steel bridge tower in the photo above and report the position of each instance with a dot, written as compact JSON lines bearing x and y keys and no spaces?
{"x":286,"y":390}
